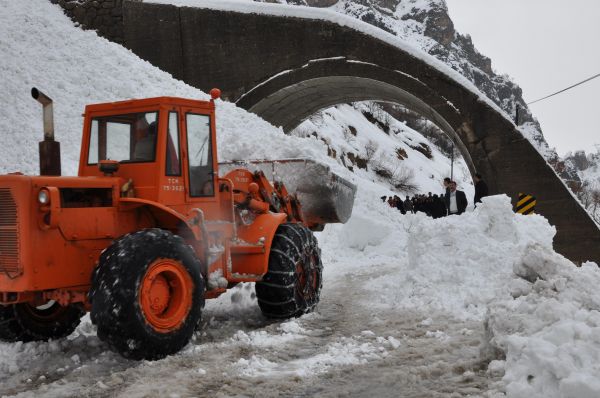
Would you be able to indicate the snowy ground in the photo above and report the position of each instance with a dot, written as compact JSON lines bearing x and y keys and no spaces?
{"x":476,"y":305}
{"x":347,"y":348}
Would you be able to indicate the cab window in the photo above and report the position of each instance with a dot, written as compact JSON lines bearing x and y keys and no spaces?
{"x":200,"y":155}
{"x":173,"y":167}
{"x":124,"y":138}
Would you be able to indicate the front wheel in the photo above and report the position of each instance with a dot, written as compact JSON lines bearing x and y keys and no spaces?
{"x":293,"y":282}
{"x":147,"y":294}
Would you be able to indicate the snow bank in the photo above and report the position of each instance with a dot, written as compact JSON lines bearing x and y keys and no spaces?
{"x":542,"y":313}
{"x":550,"y":331}
{"x":455,"y":265}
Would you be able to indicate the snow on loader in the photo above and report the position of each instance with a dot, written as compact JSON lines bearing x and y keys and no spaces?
{"x":148,"y":229}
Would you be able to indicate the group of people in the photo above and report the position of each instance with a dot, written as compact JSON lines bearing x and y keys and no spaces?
{"x":451,"y":202}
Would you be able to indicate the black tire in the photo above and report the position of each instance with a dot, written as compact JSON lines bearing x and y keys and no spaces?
{"x":23,"y":322}
{"x":115,"y":294}
{"x":292,"y":285}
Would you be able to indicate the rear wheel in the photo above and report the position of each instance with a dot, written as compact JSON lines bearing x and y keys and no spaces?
{"x":24,"y":322}
{"x":293,"y":282}
{"x":147,"y":294}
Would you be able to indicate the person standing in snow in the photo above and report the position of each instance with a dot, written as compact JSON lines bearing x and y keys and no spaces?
{"x":428,"y":205}
{"x":456,"y":201}
{"x":481,"y":189}
{"x":446,"y":183}
{"x":417,"y":206}
{"x":399,"y":204}
{"x":438,"y":207}
{"x":408,"y":206}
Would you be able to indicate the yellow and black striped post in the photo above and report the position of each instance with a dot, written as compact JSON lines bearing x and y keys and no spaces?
{"x":526,"y":204}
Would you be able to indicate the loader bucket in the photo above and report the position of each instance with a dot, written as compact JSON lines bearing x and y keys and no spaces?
{"x":325,"y":196}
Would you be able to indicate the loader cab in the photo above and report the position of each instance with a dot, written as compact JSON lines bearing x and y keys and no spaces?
{"x":166,"y":146}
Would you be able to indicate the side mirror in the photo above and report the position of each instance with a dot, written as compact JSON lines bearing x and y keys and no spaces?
{"x":108,"y":167}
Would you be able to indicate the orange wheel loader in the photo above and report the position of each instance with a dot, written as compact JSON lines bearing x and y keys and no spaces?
{"x":153,"y":225}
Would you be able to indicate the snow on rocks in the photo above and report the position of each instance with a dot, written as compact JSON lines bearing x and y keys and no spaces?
{"x":347,"y":130}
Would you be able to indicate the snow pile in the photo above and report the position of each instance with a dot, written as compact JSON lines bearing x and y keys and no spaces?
{"x":454,"y":265}
{"x":550,"y":331}
{"x":467,"y":250}
{"x":542,"y":313}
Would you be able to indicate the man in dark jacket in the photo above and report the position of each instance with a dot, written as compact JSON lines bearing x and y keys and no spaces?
{"x":481,"y":189}
{"x":456,"y":201}
{"x":446,"y":183}
{"x":438,"y":208}
{"x":408,"y":205}
{"x":399,"y":204}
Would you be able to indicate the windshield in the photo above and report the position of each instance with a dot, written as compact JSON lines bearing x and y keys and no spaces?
{"x":124,"y":138}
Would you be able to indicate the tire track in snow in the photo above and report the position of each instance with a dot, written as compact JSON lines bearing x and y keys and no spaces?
{"x":343,"y":350}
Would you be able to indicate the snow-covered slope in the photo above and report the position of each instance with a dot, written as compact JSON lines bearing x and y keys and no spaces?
{"x":40,"y":47}
{"x":374,"y":145}
{"x":405,"y":298}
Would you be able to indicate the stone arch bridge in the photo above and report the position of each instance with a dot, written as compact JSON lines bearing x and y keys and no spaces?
{"x":285,"y":68}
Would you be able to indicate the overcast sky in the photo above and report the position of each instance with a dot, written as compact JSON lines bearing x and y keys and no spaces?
{"x":545,"y":46}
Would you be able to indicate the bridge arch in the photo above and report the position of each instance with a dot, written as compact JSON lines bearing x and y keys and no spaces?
{"x":289,"y":98}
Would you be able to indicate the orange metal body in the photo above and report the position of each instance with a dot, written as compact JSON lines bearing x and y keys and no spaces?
{"x":49,"y":251}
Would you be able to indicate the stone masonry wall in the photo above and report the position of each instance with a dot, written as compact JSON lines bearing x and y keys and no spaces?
{"x":103,"y":16}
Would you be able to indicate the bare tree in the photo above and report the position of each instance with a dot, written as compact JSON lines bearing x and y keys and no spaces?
{"x":370,"y":150}
{"x":393,"y":170}
{"x":403,"y":179}
{"x":589,"y":195}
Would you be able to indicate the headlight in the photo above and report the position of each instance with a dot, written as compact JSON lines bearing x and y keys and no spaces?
{"x":44,"y":197}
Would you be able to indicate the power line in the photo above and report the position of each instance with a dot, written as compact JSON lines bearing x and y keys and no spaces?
{"x":565,"y":89}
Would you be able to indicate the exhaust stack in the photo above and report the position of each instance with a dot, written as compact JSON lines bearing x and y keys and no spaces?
{"x":49,"y":148}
